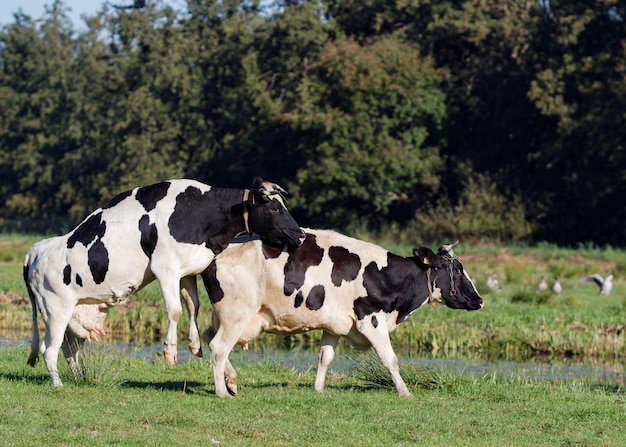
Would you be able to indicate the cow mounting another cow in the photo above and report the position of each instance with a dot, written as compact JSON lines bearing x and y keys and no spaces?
{"x":169,"y":231}
{"x":345,"y":287}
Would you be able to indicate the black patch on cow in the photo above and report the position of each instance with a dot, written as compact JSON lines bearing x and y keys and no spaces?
{"x":206,"y":218}
{"x":307,"y":255}
{"x":79,"y":280}
{"x":117,"y":199}
{"x":374,"y":321}
{"x":346,"y":265}
{"x":388,"y":289}
{"x":98,"y":261}
{"x":67,"y":274}
{"x":87,"y":231}
{"x":148,"y":196}
{"x":270,"y":252}
{"x":299,"y":300}
{"x":315,"y":300}
{"x":149,"y":235}
{"x":212,"y":284}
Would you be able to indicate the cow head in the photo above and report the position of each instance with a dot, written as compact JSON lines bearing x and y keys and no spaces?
{"x":269,"y":217}
{"x":448,"y":282}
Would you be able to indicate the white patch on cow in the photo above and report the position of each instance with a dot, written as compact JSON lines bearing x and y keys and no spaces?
{"x":437,"y":293}
{"x":471,"y":282}
{"x":274,"y":187}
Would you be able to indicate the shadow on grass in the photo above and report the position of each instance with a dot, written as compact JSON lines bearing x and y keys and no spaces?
{"x":40,"y":379}
{"x":353,"y":387}
{"x":191,"y":387}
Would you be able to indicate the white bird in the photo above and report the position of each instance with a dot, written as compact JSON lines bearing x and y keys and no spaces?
{"x":556,"y":287}
{"x":605,"y":284}
{"x":492,"y":281}
{"x":543,"y":285}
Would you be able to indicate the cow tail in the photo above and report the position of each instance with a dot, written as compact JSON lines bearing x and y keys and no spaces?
{"x":34,"y":344}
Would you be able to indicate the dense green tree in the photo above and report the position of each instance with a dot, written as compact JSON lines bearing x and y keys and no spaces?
{"x":533,"y":94}
{"x":362,"y":120}
{"x":370,"y":112}
{"x":38,"y":89}
{"x":223,"y":34}
{"x":580,"y":83}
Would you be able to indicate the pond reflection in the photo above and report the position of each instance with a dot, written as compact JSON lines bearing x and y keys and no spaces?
{"x":610,"y":371}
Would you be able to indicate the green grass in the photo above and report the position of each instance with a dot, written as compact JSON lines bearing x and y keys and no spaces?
{"x":161,"y":405}
{"x":119,"y":400}
{"x":516,"y":322}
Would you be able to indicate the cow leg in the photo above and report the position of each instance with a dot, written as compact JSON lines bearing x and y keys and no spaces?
{"x":374,"y":328}
{"x":222,"y":343}
{"x":53,"y":339}
{"x":219,"y":359}
{"x":189,"y":291}
{"x":174,"y":309}
{"x":327,"y":353}
{"x":230,"y":375}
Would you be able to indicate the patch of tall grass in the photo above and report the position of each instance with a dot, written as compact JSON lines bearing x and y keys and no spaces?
{"x":371,"y":373}
{"x":97,"y":365}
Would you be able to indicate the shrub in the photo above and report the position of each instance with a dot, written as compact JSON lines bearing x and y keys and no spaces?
{"x":482,"y":213}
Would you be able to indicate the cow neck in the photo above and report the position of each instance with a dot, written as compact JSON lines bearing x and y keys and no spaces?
{"x":227,"y":224}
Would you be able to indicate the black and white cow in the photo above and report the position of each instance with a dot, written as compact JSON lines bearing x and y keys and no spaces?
{"x":345,"y":287}
{"x":169,"y":231}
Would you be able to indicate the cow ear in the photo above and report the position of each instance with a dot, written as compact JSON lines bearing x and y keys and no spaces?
{"x":424,"y":257}
{"x":257,"y":183}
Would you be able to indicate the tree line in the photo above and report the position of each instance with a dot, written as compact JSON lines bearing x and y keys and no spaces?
{"x":436,"y":120}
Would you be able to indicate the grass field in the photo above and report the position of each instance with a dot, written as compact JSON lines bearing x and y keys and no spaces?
{"x":158,"y":405}
{"x":135,"y":401}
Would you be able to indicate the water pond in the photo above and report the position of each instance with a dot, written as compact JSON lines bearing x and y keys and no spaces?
{"x":606,"y":371}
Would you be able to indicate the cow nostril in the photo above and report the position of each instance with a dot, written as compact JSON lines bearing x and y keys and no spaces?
{"x":301,"y":238}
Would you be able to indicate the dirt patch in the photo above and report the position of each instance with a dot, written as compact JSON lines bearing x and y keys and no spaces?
{"x":14,"y":298}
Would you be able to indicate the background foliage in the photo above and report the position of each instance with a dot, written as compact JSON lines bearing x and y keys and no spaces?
{"x":479,"y":119}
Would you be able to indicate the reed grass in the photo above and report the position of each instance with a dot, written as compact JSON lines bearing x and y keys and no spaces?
{"x":516,"y":322}
{"x":372,"y":374}
{"x":97,"y":366}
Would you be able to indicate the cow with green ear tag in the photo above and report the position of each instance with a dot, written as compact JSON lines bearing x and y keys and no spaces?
{"x":343,"y":286}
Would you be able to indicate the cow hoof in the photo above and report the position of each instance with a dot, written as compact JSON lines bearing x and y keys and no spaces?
{"x":196,"y":351}
{"x":231,"y":386}
{"x":170,"y":359}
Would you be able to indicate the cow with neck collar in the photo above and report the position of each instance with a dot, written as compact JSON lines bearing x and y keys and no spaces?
{"x":345,"y":287}
{"x":168,"y":231}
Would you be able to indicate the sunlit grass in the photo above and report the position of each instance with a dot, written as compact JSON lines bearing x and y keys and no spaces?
{"x":159,"y":404}
{"x":516,"y":322}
